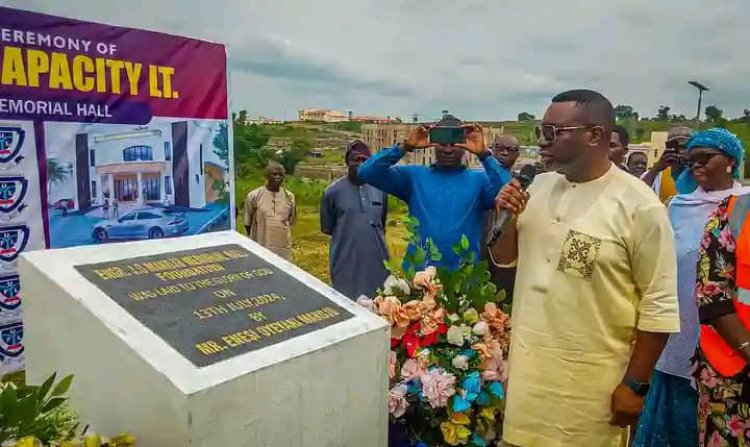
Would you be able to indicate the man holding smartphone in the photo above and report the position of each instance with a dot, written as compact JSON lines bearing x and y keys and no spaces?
{"x":665,"y":177}
{"x":447,"y":199}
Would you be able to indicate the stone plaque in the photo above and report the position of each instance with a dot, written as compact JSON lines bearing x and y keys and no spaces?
{"x":214,"y":303}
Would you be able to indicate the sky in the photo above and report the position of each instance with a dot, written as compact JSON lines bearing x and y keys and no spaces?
{"x":479,"y":59}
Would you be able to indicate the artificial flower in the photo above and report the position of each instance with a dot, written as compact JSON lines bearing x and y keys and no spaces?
{"x":495,"y":318}
{"x":454,"y":434}
{"x":413,"y":310}
{"x":397,"y":400}
{"x":470,"y":353}
{"x":487,"y":413}
{"x":411,"y":341}
{"x":411,"y":369}
{"x":471,"y":316}
{"x":455,"y":335}
{"x":425,"y":280}
{"x":432,"y":337}
{"x":483,"y":350}
{"x":472,"y":384}
{"x":394,"y":285}
{"x":486,"y":429}
{"x":459,"y":418}
{"x":438,"y":386}
{"x":494,"y":370}
{"x":483,"y":399}
{"x":496,"y":389}
{"x":459,"y":404}
{"x":460,"y":362}
{"x":480,"y":328}
{"x":453,"y":318}
{"x":366,"y":302}
{"x":478,"y":440}
{"x":438,"y":314}
{"x":429,"y":325}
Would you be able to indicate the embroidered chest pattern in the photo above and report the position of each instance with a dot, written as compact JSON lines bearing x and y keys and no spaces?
{"x":579,"y":254}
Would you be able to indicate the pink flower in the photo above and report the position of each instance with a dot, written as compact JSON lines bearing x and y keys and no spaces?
{"x":438,"y":387}
{"x":495,"y":370}
{"x":716,"y":440}
{"x":392,"y":365}
{"x":736,"y":426}
{"x":727,"y":240}
{"x":397,"y":400}
{"x":708,"y":378}
{"x":411,"y":369}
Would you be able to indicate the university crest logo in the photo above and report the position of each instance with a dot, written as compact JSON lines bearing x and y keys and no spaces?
{"x":13,"y":240}
{"x":13,"y":191}
{"x":10,"y":292}
{"x":11,"y":143}
{"x":11,"y":338}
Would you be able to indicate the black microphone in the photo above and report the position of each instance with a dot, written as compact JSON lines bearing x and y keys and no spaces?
{"x":524,"y":177}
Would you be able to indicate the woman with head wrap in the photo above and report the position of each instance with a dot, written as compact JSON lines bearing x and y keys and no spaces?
{"x":669,"y":415}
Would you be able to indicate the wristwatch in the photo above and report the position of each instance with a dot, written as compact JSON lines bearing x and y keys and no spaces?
{"x":639,"y":388}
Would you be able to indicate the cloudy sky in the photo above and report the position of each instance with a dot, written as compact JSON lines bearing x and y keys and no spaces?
{"x":481,"y":59}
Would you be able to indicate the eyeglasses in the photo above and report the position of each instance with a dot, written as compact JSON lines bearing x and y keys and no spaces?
{"x":701,"y":159}
{"x":549,"y":131}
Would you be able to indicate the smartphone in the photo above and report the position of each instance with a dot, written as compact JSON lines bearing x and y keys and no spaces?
{"x":447,"y":136}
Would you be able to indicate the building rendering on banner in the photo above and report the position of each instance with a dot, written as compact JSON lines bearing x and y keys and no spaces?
{"x":158,"y":164}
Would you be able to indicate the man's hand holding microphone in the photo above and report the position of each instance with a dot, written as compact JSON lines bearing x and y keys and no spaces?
{"x":512,"y":198}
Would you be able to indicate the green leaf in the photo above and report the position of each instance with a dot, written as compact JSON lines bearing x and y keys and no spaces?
{"x":63,"y":386}
{"x":46,"y":386}
{"x":53,"y":403}
{"x":464,"y":242}
{"x":419,"y":257}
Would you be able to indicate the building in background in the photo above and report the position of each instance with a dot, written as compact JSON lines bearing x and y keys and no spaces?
{"x":322,"y":115}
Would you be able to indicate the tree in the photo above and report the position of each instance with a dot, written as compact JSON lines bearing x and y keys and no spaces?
{"x":526,"y":116}
{"x":625,"y":111}
{"x":663,"y":113}
{"x":242,"y":117}
{"x":290,"y":159}
{"x":250,"y":150}
{"x":714,"y":114}
{"x":57,"y":172}
{"x":639,"y":133}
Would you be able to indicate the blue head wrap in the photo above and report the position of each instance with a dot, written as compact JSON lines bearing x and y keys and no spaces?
{"x":721,"y":140}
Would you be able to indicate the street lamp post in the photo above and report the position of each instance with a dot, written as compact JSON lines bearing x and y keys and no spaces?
{"x":701,"y":88}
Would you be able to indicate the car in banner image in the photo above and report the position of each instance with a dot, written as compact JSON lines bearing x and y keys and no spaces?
{"x":145,"y":223}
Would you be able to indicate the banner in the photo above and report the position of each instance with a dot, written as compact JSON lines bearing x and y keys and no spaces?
{"x":107,"y":134}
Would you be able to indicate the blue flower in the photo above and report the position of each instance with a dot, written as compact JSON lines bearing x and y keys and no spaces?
{"x":413,"y":386}
{"x":472,"y":384}
{"x":496,"y":389}
{"x":478,"y":440}
{"x":484,"y":399}
{"x":460,"y":404}
{"x":470,"y":353}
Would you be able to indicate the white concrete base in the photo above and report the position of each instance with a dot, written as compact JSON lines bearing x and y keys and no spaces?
{"x":322,"y":389}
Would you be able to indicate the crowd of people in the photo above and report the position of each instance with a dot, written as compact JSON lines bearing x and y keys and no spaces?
{"x":630,"y":285}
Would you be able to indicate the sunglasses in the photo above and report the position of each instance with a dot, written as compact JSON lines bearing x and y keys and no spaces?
{"x":701,"y":159}
{"x":550,"y":132}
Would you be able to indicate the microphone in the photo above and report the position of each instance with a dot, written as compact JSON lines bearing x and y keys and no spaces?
{"x":525,"y":177}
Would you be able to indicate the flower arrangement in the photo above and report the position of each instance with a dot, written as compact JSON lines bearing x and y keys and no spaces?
{"x":449,"y":344}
